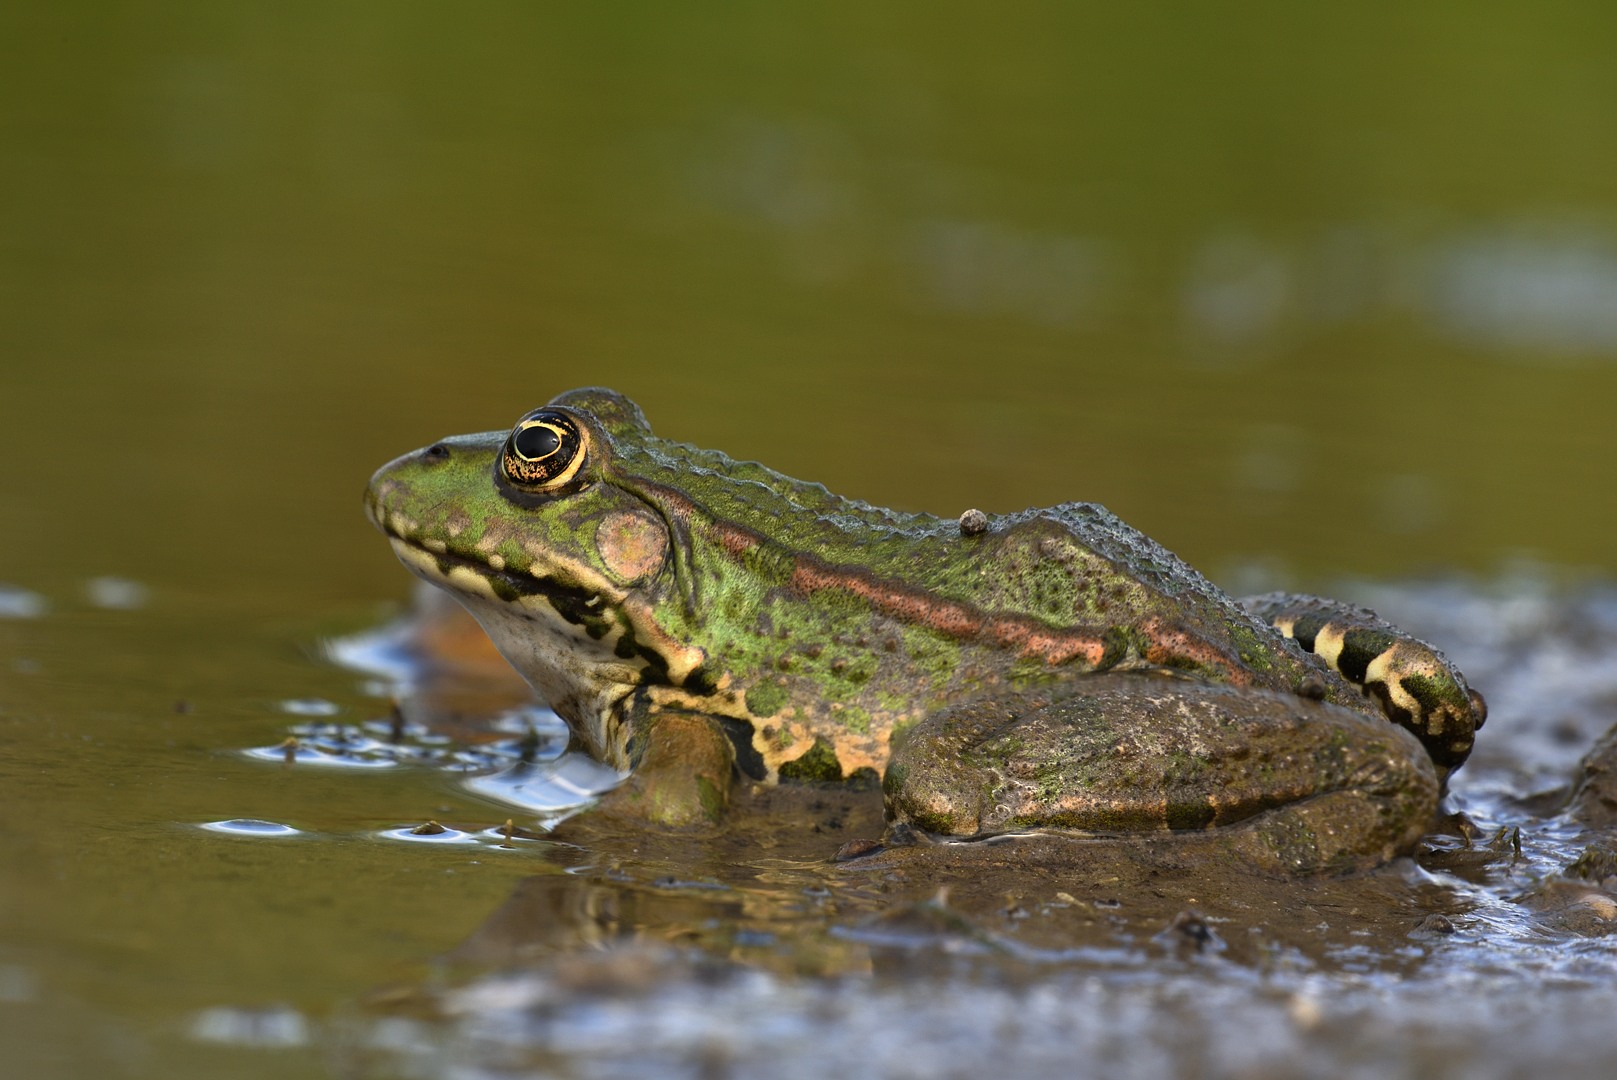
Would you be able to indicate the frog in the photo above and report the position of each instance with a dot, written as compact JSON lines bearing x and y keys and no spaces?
{"x":703,"y":623}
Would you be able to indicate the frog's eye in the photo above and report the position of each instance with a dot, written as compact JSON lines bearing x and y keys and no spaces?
{"x":545,"y":450}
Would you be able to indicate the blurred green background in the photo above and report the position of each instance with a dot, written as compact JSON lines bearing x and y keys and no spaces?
{"x":1304,"y":291}
{"x":1300,"y":289}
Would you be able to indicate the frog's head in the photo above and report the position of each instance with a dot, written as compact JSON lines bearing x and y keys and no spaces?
{"x":568,"y":566}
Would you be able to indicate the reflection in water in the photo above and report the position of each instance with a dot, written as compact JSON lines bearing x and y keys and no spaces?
{"x":547,"y":788}
{"x":509,"y":738}
{"x":558,"y":914}
{"x":454,"y":705}
{"x":438,"y":668}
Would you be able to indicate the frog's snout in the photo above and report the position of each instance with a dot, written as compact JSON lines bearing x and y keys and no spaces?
{"x":390,"y":485}
{"x":377,"y":493}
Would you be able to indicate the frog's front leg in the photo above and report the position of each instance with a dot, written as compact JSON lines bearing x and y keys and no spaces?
{"x":1415,"y":684}
{"x":683,"y":769}
{"x":1283,"y":782}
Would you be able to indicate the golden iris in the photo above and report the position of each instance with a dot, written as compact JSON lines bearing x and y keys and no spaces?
{"x":545,"y":450}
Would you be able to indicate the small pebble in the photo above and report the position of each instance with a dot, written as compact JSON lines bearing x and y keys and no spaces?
{"x":855,"y":849}
{"x":1190,"y":926}
{"x":973,"y":523}
{"x":1602,"y":906}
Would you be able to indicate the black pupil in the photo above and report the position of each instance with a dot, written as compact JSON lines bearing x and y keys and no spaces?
{"x":536,"y":442}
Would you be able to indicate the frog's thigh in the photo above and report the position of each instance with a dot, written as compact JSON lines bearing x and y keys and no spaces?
{"x":1286,"y":781}
{"x":682,"y":775}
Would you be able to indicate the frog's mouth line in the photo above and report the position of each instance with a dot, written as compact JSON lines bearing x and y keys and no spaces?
{"x":451,"y":571}
{"x":437,"y":565}
{"x":581,"y":608}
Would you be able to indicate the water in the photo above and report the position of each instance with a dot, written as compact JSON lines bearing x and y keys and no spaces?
{"x":1319,"y":299}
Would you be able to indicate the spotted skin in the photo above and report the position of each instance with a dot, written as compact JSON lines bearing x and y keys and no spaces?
{"x":696,"y":619}
{"x":1415,"y":684}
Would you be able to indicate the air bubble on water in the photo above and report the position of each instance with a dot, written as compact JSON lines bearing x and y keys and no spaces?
{"x":439,"y":834}
{"x":251,"y":827}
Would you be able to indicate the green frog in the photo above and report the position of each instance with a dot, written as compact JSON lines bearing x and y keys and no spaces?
{"x":697,"y":619}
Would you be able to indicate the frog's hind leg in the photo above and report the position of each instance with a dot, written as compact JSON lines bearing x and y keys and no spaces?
{"x":1283,"y":783}
{"x":1414,"y":682}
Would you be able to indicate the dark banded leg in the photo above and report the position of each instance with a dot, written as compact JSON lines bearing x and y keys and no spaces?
{"x":1414,"y":682}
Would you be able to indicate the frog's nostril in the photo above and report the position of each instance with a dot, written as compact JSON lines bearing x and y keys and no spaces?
{"x":436,"y":452}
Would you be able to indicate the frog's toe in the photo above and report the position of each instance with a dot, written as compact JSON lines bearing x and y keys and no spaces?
{"x":1336,"y":832}
{"x":683,"y":777}
{"x":1413,"y":682}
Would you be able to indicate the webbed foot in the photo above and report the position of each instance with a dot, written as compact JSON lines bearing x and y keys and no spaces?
{"x":682,"y":777}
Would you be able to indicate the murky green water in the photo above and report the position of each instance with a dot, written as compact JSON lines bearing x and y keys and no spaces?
{"x":1307,"y":296}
